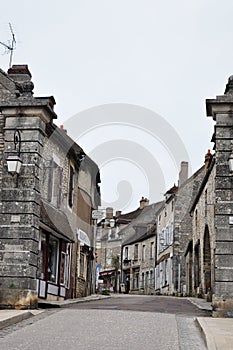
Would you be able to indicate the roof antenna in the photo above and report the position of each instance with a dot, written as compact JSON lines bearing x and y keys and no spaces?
{"x":10,"y":47}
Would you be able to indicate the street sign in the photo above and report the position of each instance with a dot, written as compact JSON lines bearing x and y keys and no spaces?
{"x":97,"y":214}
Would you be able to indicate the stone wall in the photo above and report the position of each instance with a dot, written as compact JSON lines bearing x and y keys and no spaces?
{"x":221,"y":109}
{"x":204,"y":236}
{"x":183,"y":228}
{"x":20,"y":212}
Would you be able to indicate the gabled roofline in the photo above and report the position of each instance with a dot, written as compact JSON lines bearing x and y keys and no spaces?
{"x":203,"y":183}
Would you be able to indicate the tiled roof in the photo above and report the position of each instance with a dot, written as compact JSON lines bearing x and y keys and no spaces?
{"x":146,"y":217}
{"x":141,"y":236}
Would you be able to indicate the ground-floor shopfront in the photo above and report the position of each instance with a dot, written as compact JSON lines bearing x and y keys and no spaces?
{"x":54,"y":267}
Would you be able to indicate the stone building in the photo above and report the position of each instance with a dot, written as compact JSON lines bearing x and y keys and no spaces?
{"x":200,"y":250}
{"x":139,"y":251}
{"x":221,"y":110}
{"x":112,"y":231}
{"x":40,"y":209}
{"x":209,"y":254}
{"x":164,"y":251}
{"x":174,"y":231}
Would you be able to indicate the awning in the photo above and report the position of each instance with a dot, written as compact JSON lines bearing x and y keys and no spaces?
{"x":83,"y":237}
{"x":56,"y":222}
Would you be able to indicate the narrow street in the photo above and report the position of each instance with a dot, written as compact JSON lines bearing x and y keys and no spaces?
{"x":120,"y":322}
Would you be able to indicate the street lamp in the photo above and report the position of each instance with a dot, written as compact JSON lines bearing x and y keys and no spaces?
{"x":13,"y":160}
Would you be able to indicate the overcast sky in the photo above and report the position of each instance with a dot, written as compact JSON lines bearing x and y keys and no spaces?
{"x":164,"y":56}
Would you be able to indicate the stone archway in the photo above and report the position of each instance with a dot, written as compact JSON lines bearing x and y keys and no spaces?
{"x":207,"y":261}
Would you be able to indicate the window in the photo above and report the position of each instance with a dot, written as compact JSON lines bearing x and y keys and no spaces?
{"x":171,"y":233}
{"x":83,"y":265}
{"x":41,"y":260}
{"x":53,"y":259}
{"x":136,"y":252}
{"x":168,"y":235}
{"x":161,"y":241}
{"x":65,"y":266}
{"x":135,"y":278}
{"x":55,"y":183}
{"x":71,"y":187}
{"x":143,"y":252}
{"x":152,"y":252}
{"x":164,"y":237}
{"x":151,"y":278}
{"x":147,"y":279}
{"x":126,"y":253}
{"x":143,"y":280}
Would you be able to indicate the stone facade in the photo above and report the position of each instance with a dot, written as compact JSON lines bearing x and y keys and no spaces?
{"x":110,"y":239}
{"x":20,"y":196}
{"x":183,"y":228}
{"x":139,"y":251}
{"x":40,"y":207}
{"x":221,"y":109}
{"x":200,"y":251}
{"x":164,"y":251}
{"x":138,"y":255}
{"x":174,"y":230}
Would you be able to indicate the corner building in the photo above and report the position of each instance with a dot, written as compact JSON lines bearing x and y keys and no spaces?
{"x":41,"y":253}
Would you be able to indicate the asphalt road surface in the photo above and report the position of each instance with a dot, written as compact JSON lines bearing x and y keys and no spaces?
{"x":171,"y":305}
{"x":125,"y":322}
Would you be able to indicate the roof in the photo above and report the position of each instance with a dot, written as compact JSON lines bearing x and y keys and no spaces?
{"x":172,"y":190}
{"x":202,"y":185}
{"x":56,"y":222}
{"x":147,"y":216}
{"x":128,"y":217}
{"x":141,"y":236}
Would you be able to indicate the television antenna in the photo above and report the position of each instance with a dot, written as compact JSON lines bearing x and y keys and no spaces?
{"x":11,"y":46}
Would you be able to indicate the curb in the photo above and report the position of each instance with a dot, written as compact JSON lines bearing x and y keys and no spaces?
{"x":64,"y":303}
{"x":209,"y":341}
{"x":206,"y":308}
{"x":15,"y":319}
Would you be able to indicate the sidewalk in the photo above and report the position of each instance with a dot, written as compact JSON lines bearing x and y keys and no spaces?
{"x":217,"y":332}
{"x":9,"y":317}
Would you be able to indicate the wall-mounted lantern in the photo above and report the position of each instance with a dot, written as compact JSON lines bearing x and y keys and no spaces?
{"x":230,"y":162}
{"x":14,"y":161}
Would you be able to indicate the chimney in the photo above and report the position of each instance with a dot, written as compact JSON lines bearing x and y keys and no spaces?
{"x":144,"y":202}
{"x":22,"y":76}
{"x":19,"y":72}
{"x":62,"y":128}
{"x":118,"y":213}
{"x":109,"y":213}
{"x":183,"y":174}
{"x":208,"y":158}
